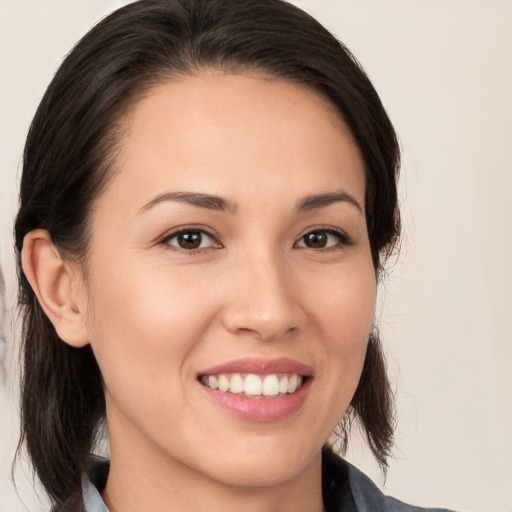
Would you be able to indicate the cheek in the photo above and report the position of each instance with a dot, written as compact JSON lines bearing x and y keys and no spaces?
{"x":343,"y":304}
{"x":144,"y":329}
{"x":344,"y":313}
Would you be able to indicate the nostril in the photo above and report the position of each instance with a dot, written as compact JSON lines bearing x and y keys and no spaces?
{"x":264,"y":326}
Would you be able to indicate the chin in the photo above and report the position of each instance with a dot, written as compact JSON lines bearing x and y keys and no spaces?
{"x":261,"y":465}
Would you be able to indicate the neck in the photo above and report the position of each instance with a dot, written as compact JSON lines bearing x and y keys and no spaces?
{"x":132,"y":487}
{"x":141,"y":478}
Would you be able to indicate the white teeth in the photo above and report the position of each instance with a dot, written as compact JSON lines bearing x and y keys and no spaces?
{"x":254,"y":385}
{"x":283,"y":384}
{"x":223,"y":383}
{"x":292,"y":383}
{"x":237,"y":384}
{"x":271,"y":385}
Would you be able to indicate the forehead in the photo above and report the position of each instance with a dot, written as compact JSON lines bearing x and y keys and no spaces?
{"x":220,"y":130}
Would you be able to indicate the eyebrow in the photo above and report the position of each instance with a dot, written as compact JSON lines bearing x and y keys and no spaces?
{"x":195,"y":199}
{"x":322,"y":200}
{"x":212,"y":202}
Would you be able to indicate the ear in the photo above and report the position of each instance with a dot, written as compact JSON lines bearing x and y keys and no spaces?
{"x":57,"y":285}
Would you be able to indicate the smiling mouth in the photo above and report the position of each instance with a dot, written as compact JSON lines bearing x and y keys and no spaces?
{"x":253,"y":385}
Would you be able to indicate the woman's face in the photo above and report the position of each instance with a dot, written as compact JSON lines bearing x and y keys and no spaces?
{"x":230,"y":249}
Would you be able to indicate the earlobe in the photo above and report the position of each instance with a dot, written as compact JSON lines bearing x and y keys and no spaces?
{"x":55,"y":284}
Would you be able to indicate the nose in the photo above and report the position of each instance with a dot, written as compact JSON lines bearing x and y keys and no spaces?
{"x":265,"y":303}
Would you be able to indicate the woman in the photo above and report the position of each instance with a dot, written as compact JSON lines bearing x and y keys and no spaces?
{"x":208,"y":196}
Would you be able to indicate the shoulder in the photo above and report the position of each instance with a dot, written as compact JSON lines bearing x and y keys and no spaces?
{"x":93,"y":483}
{"x":368,"y":496}
{"x":365,"y":495}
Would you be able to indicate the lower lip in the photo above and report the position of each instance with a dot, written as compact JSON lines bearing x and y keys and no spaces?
{"x":260,"y":409}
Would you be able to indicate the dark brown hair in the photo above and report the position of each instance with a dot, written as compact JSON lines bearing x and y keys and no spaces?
{"x":68,"y":160}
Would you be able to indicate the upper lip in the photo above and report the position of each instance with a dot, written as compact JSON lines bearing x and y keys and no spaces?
{"x":260,"y":366}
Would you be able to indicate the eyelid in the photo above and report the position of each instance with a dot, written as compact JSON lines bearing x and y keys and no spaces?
{"x":164,"y":239}
{"x":344,"y":238}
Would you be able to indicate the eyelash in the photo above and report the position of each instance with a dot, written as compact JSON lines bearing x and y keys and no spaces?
{"x":188,"y":229}
{"x":343,"y":238}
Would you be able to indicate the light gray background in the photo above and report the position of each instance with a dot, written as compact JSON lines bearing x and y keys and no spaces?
{"x":443,"y":70}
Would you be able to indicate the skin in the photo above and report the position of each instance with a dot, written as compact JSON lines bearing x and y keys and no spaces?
{"x":157,"y":314}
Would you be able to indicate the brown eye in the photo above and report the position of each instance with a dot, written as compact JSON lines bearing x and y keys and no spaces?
{"x":315,"y":239}
{"x":190,"y":240}
{"x":323,"y":239}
